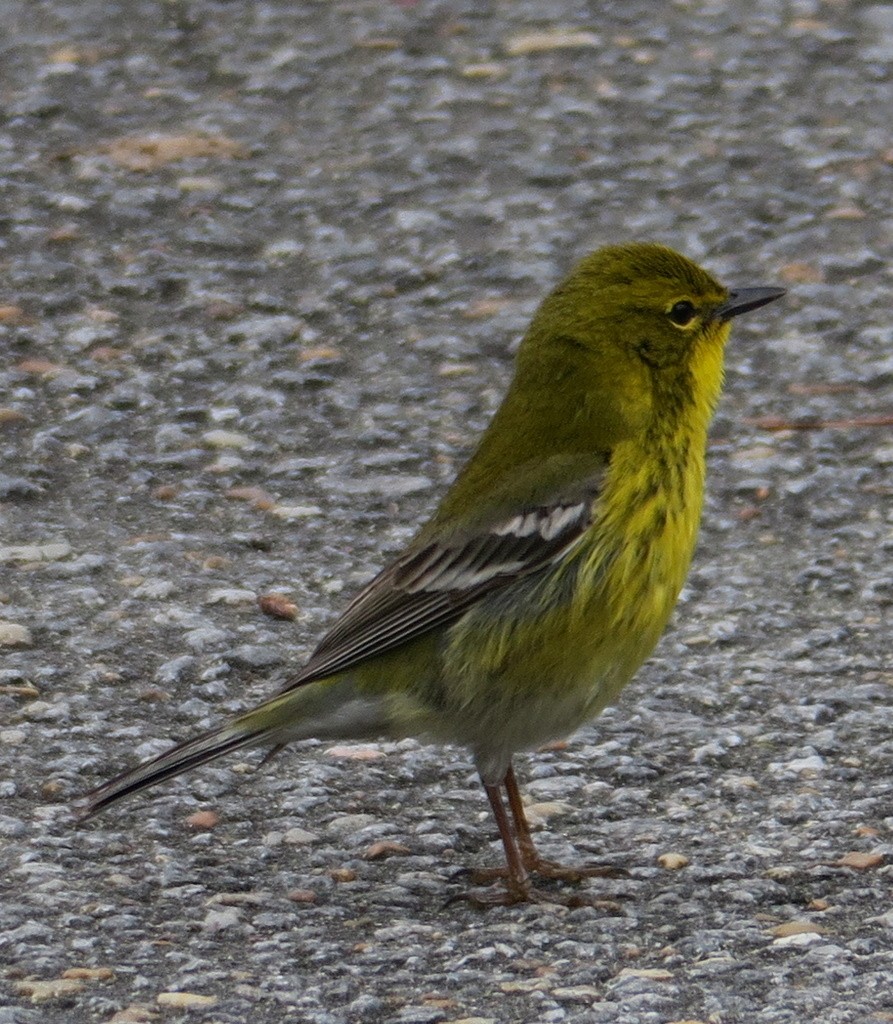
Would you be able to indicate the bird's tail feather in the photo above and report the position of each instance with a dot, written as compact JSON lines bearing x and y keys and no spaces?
{"x":206,"y":747}
{"x":328,"y":709}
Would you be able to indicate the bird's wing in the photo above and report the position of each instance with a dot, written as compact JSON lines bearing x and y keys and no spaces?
{"x":433,"y":584}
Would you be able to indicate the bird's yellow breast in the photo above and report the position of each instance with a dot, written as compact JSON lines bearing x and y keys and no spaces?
{"x":567,"y":645}
{"x":638,"y":550}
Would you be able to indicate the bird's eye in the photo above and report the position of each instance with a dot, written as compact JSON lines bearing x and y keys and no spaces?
{"x":682,"y":313}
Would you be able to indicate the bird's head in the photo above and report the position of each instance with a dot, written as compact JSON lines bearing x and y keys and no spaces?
{"x":647,"y":301}
{"x":639,"y":327}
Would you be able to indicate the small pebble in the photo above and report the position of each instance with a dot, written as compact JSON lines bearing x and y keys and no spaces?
{"x":184,"y":1000}
{"x":12,"y":634}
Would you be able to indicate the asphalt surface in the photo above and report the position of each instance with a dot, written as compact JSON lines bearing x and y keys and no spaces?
{"x":263,"y":269}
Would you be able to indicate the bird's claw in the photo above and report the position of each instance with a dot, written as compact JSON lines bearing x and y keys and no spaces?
{"x":513,"y":895}
{"x":549,"y":869}
{"x":575,"y":872}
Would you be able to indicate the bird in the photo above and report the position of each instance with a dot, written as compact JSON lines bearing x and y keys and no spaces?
{"x":548,"y":572}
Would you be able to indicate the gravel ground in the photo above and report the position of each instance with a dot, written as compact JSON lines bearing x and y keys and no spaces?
{"x":264,"y":265}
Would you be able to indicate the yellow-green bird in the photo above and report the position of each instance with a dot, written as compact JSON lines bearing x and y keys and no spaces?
{"x":548,"y":572}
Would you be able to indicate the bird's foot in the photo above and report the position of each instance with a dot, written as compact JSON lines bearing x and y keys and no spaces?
{"x":550,"y":869}
{"x":510,"y":895}
{"x":507,"y":895}
{"x":573,"y":872}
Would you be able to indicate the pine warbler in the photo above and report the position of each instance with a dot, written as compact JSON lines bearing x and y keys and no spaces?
{"x":548,"y":572}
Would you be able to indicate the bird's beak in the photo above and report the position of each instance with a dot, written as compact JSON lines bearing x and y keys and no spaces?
{"x":742,"y":300}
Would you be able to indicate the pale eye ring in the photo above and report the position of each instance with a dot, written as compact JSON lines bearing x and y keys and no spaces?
{"x":682,"y":313}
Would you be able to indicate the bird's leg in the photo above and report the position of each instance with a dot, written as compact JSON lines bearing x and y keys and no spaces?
{"x":517,"y":888}
{"x":517,"y":879}
{"x":529,"y":853}
{"x":522,"y":858}
{"x":530,"y":856}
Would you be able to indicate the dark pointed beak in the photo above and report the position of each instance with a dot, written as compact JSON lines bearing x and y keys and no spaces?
{"x":742,"y":300}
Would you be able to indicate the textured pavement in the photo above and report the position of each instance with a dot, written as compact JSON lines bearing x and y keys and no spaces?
{"x":263,"y":269}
